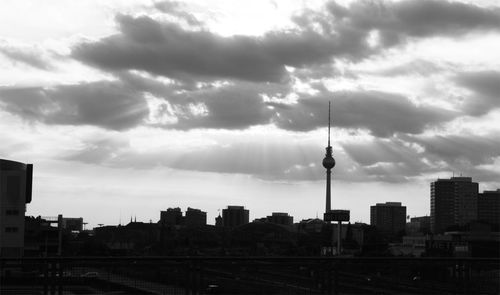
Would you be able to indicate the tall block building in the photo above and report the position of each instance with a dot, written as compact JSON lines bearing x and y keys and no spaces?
{"x":195,"y":217}
{"x":234,"y":216}
{"x":15,"y":193}
{"x":389,"y":217}
{"x":453,"y":202}
{"x":171,"y":217}
{"x":488,"y":207}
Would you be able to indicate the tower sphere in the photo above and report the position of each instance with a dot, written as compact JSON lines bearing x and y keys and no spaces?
{"x":329,"y":162}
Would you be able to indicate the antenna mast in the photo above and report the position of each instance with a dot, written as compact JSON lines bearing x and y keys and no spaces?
{"x":329,"y":103}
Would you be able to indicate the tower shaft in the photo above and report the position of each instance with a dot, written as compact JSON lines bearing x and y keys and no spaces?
{"x":328,"y":191}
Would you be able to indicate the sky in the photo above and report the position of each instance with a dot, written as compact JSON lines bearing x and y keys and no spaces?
{"x":127,"y":108}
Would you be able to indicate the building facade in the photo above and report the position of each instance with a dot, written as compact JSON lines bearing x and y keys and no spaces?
{"x":234,"y":216}
{"x":389,"y":218}
{"x":453,"y":203}
{"x":488,"y":207}
{"x":15,"y":193}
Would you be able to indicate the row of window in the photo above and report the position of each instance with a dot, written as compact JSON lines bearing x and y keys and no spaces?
{"x":11,"y":229}
{"x":12,"y":212}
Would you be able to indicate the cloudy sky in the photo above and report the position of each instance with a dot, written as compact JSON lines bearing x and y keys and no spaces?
{"x":130,"y":107}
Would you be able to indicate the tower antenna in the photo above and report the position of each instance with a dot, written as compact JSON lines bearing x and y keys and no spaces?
{"x":329,"y":103}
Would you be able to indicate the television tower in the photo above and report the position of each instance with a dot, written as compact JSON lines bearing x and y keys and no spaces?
{"x":330,"y":215}
{"x":328,"y":163}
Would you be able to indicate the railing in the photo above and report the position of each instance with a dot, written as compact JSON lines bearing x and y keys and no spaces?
{"x":51,"y":219}
{"x":249,"y":275}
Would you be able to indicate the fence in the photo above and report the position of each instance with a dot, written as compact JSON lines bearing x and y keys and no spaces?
{"x":249,"y":275}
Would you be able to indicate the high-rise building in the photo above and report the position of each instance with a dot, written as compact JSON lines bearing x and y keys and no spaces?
{"x":195,"y":217}
{"x":453,"y":202}
{"x":280,"y":218}
{"x":389,"y":217}
{"x":171,"y":217}
{"x":15,"y":193}
{"x":488,"y":207}
{"x":234,"y":216}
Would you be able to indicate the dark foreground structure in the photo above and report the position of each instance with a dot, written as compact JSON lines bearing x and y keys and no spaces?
{"x":249,"y":275}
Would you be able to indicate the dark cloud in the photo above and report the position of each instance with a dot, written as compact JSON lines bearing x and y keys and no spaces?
{"x":236,"y":106}
{"x":221,"y":105}
{"x":248,"y":67}
{"x":416,"y":18}
{"x":409,"y":156}
{"x":382,"y":113}
{"x":485,"y":86}
{"x":241,"y":105}
{"x":387,"y":160}
{"x":167,"y":49}
{"x":462,"y":150}
{"x":436,"y":17}
{"x":467,"y":154}
{"x":109,"y":105}
{"x":32,"y":58}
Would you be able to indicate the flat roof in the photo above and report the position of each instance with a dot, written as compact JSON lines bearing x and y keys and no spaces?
{"x":11,"y":165}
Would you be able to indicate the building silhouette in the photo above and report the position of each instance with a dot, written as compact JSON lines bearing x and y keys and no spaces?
{"x":488,"y":207}
{"x":453,"y":203}
{"x":218,"y":221}
{"x":42,"y":236}
{"x":418,"y":225}
{"x":195,"y":217}
{"x":15,"y":193}
{"x":389,"y":218}
{"x":72,"y":223}
{"x":171,"y":217}
{"x":234,"y":216}
{"x":280,"y":218}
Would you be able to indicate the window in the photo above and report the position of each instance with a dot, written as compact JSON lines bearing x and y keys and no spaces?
{"x":11,"y":229}
{"x":12,"y":212}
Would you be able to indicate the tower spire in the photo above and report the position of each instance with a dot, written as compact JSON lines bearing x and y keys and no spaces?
{"x":329,"y":121}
